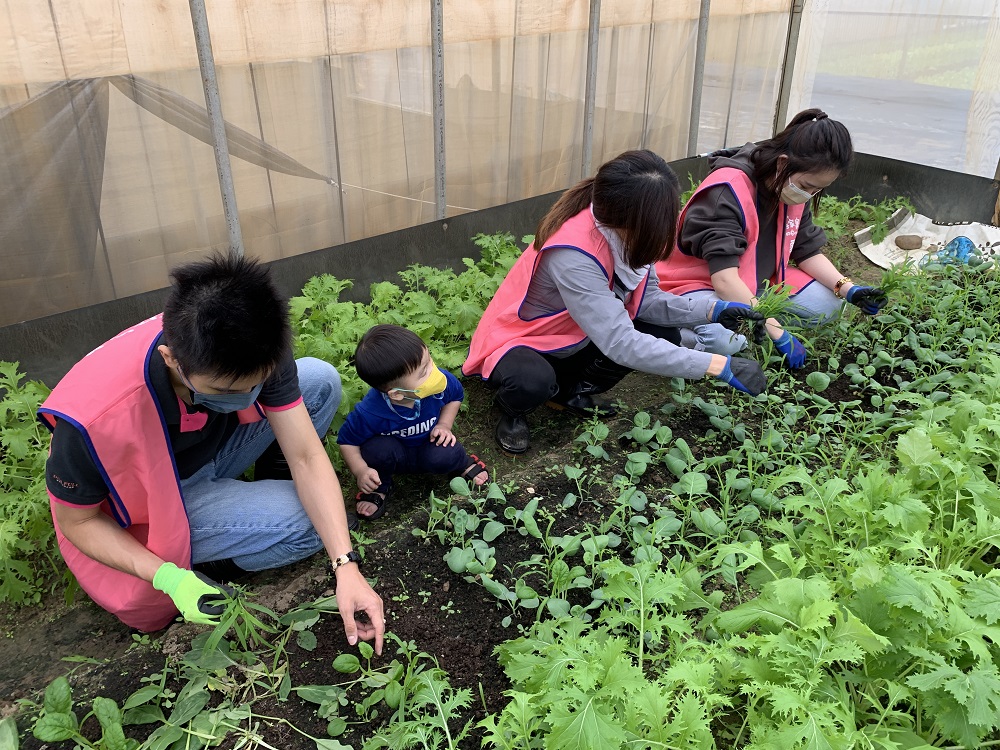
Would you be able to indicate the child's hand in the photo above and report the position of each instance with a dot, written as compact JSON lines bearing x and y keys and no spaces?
{"x":368,"y":480}
{"x":443,"y":437}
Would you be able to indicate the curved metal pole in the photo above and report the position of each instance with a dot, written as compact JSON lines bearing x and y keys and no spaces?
{"x":206,"y":61}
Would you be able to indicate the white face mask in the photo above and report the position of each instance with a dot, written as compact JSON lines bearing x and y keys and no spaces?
{"x":793,"y":195}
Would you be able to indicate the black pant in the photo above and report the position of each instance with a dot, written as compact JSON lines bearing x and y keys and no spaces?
{"x":525,"y":379}
{"x":389,"y":455}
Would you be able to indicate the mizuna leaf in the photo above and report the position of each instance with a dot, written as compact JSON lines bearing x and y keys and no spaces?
{"x":585,"y":726}
{"x":900,"y":589}
{"x":982,"y":599}
{"x":915,"y":449}
{"x":848,"y":627}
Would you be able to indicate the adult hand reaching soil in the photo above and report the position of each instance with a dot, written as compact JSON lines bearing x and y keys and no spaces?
{"x":354,"y":595}
{"x":744,"y":375}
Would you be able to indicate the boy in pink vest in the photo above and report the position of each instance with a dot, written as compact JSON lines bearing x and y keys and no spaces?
{"x":151,"y":432}
{"x":750,"y":222}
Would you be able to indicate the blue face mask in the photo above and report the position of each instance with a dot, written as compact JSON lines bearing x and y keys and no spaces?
{"x":224,"y":403}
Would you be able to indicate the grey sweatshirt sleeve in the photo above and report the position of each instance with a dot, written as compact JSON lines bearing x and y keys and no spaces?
{"x":713,"y":229}
{"x":671,"y":310}
{"x":810,"y":240}
{"x":584,"y":290}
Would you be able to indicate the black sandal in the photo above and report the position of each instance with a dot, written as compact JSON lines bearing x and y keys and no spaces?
{"x":380,"y":502}
{"x":474,"y":469}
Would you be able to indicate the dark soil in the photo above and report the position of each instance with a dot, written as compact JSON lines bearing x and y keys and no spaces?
{"x":454,"y":621}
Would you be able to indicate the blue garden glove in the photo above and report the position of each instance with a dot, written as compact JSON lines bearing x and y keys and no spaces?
{"x":792,"y":349}
{"x":961,"y":249}
{"x":743,"y":375}
{"x":197,"y":597}
{"x":731,"y":314}
{"x":869,"y":299}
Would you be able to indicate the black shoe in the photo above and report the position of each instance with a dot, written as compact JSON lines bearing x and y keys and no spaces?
{"x":512,"y":434}
{"x":583,"y":405}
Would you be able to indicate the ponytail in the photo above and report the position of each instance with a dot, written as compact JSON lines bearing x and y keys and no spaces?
{"x":636,"y":194}
{"x":570,"y":203}
{"x":811,"y":141}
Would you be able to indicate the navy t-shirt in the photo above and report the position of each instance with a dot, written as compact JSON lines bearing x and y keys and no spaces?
{"x":73,"y":477}
{"x":372,"y":416}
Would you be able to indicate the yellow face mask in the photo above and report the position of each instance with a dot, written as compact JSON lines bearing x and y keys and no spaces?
{"x":435,"y":383}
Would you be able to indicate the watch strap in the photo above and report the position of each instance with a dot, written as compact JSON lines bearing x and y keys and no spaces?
{"x":347,"y":557}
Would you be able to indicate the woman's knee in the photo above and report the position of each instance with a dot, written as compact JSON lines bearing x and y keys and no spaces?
{"x":714,"y":339}
{"x":814,"y":305}
{"x":524,"y":380}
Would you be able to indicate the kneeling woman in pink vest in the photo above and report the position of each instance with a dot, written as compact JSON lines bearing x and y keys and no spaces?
{"x":581,"y":307}
{"x":750,"y":220}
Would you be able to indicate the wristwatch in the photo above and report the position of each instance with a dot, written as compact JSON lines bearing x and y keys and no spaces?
{"x":349,"y":557}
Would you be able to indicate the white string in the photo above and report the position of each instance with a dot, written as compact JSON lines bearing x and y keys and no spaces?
{"x":394,"y":195}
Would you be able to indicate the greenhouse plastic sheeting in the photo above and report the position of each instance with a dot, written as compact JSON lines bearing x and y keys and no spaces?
{"x":917,"y":80}
{"x":109,"y":179}
{"x":112,"y":180}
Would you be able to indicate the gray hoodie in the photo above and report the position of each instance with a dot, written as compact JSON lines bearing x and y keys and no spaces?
{"x":713,"y":227}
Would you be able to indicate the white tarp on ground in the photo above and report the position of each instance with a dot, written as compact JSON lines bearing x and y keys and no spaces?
{"x":935,"y":238}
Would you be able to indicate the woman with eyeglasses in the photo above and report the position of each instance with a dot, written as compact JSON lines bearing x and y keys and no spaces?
{"x":749,"y":224}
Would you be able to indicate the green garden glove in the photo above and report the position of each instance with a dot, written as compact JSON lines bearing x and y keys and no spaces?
{"x":198,"y":598}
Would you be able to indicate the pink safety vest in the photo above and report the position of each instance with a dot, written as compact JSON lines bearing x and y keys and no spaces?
{"x":681,"y":273}
{"x":109,"y":398}
{"x":502,"y":328}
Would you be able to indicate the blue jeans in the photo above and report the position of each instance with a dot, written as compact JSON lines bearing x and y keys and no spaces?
{"x":389,"y":455}
{"x":814,"y":304}
{"x":258,"y":525}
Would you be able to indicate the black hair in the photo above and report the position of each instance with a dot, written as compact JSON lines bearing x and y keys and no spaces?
{"x":636,"y":194}
{"x":812,"y":142}
{"x":225,"y":318}
{"x":387,"y":353}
